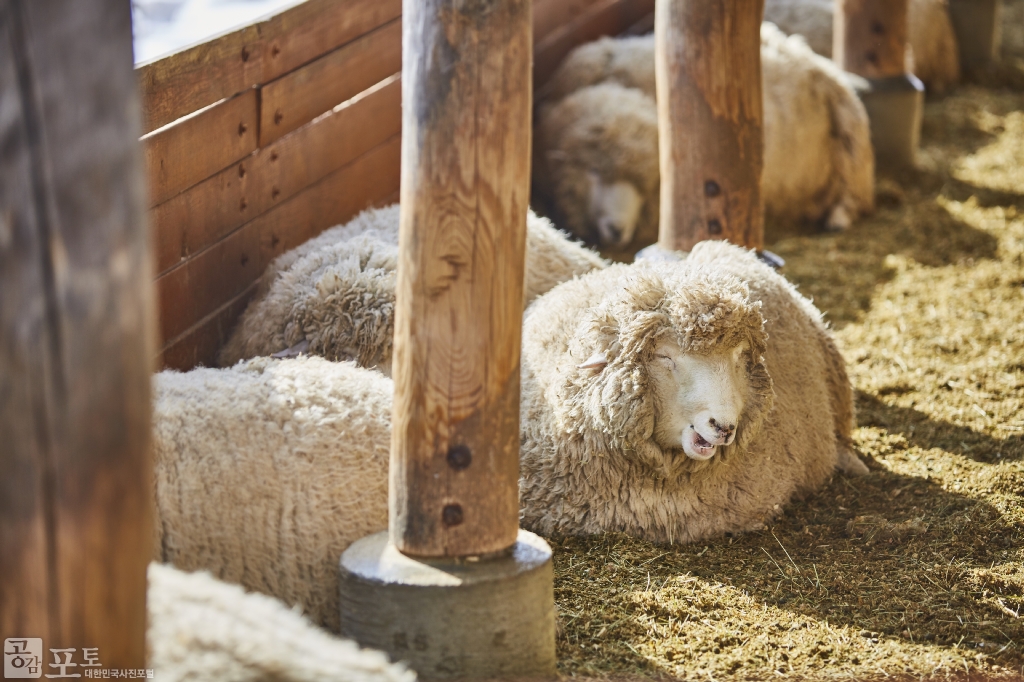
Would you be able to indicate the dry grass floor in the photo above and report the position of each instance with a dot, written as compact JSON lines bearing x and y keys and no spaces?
{"x":916,"y":570}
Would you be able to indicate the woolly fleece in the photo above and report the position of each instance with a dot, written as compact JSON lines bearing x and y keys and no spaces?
{"x":337,"y":291}
{"x":935,"y":55}
{"x":202,"y":629}
{"x":589,"y":463}
{"x":267,"y":471}
{"x":818,"y":160}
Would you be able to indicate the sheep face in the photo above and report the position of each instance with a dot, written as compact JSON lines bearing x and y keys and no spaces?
{"x":698,"y":398}
{"x":614,"y":210}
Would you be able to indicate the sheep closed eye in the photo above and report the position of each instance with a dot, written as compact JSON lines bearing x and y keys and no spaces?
{"x":667,"y":361}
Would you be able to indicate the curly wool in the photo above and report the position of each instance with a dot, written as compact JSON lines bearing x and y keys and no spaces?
{"x":589,"y":461}
{"x":935,"y":55}
{"x":203,"y":629}
{"x":599,"y":116}
{"x":336,"y":292}
{"x":265,"y":472}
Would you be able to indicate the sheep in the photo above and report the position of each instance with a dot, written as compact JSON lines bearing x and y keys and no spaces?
{"x":203,"y":629}
{"x":596,"y":154}
{"x":934,"y":53}
{"x":678,"y":401}
{"x":334,"y":295}
{"x":265,"y":472}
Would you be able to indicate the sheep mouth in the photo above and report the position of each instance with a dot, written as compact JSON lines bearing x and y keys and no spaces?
{"x":697,"y":447}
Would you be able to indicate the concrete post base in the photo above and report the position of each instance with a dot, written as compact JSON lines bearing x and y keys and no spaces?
{"x":977,"y":27}
{"x":895,"y":107}
{"x":453,"y":618}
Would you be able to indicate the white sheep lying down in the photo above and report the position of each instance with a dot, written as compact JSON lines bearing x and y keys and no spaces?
{"x":678,"y":401}
{"x":596,"y":140}
{"x":935,"y":55}
{"x":203,"y":629}
{"x":266,"y":471}
{"x":334,"y":295}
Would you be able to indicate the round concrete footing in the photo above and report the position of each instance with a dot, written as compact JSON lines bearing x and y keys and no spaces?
{"x":977,"y":25}
{"x":453,"y":618}
{"x":895,"y":107}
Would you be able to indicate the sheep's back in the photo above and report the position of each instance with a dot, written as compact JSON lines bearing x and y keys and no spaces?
{"x":267,"y":471}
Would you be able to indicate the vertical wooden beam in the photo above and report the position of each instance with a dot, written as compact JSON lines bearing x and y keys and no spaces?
{"x":76,"y":333}
{"x":710,"y":121}
{"x":978,"y":27}
{"x":465,"y":188}
{"x":870,"y":37}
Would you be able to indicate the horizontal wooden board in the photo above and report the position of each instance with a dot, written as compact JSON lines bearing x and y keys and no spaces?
{"x":550,"y":15}
{"x":200,"y":344}
{"x":197,"y":218}
{"x":606,"y":17}
{"x":300,"y":96}
{"x":202,"y":284}
{"x":196,"y":148}
{"x":332,"y":201}
{"x":186,"y":81}
{"x":316,"y":27}
{"x":189,"y":80}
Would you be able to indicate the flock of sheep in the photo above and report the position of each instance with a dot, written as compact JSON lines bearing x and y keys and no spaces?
{"x":672,"y":401}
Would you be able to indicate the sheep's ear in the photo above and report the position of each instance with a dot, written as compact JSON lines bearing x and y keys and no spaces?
{"x":596,"y":361}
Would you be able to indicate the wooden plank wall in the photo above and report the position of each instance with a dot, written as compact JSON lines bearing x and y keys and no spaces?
{"x":259,"y":139}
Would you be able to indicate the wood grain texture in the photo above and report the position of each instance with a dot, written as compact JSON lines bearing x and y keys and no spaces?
{"x":196,"y":219}
{"x":191,"y":150}
{"x":302,"y":95}
{"x":870,"y":37}
{"x":316,"y":27}
{"x":184,"y":82}
{"x":465,"y":188}
{"x":200,"y":344}
{"x":194,"y":78}
{"x":76,"y":331}
{"x":710,"y":114}
{"x":201,"y":285}
{"x":601,"y":18}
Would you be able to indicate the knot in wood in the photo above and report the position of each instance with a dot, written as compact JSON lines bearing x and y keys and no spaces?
{"x":451,"y":515}
{"x":711,"y":188}
{"x":714,"y":226}
{"x":460,"y":457}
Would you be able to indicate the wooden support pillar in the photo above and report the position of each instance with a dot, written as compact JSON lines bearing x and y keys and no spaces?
{"x":710,"y":121}
{"x":466,"y":104}
{"x":978,"y":27}
{"x":76,"y":335}
{"x":870,"y":40}
{"x":459,"y":299}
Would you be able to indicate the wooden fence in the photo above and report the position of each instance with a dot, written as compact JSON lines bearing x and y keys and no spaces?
{"x":259,"y":139}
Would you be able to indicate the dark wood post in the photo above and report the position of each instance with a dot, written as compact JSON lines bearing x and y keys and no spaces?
{"x":465,"y":189}
{"x":710,"y":121}
{"x":76,"y":334}
{"x":870,"y":39}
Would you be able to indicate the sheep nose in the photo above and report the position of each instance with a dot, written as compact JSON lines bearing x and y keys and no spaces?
{"x":724,"y":431}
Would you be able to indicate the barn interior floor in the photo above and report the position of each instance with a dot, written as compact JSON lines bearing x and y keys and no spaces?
{"x":917,"y":569}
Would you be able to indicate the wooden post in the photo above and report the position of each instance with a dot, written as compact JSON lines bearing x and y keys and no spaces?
{"x":710,"y":121}
{"x":978,"y":27}
{"x":454,"y":488}
{"x":76,"y":341}
{"x":870,"y":39}
{"x":458,"y":319}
